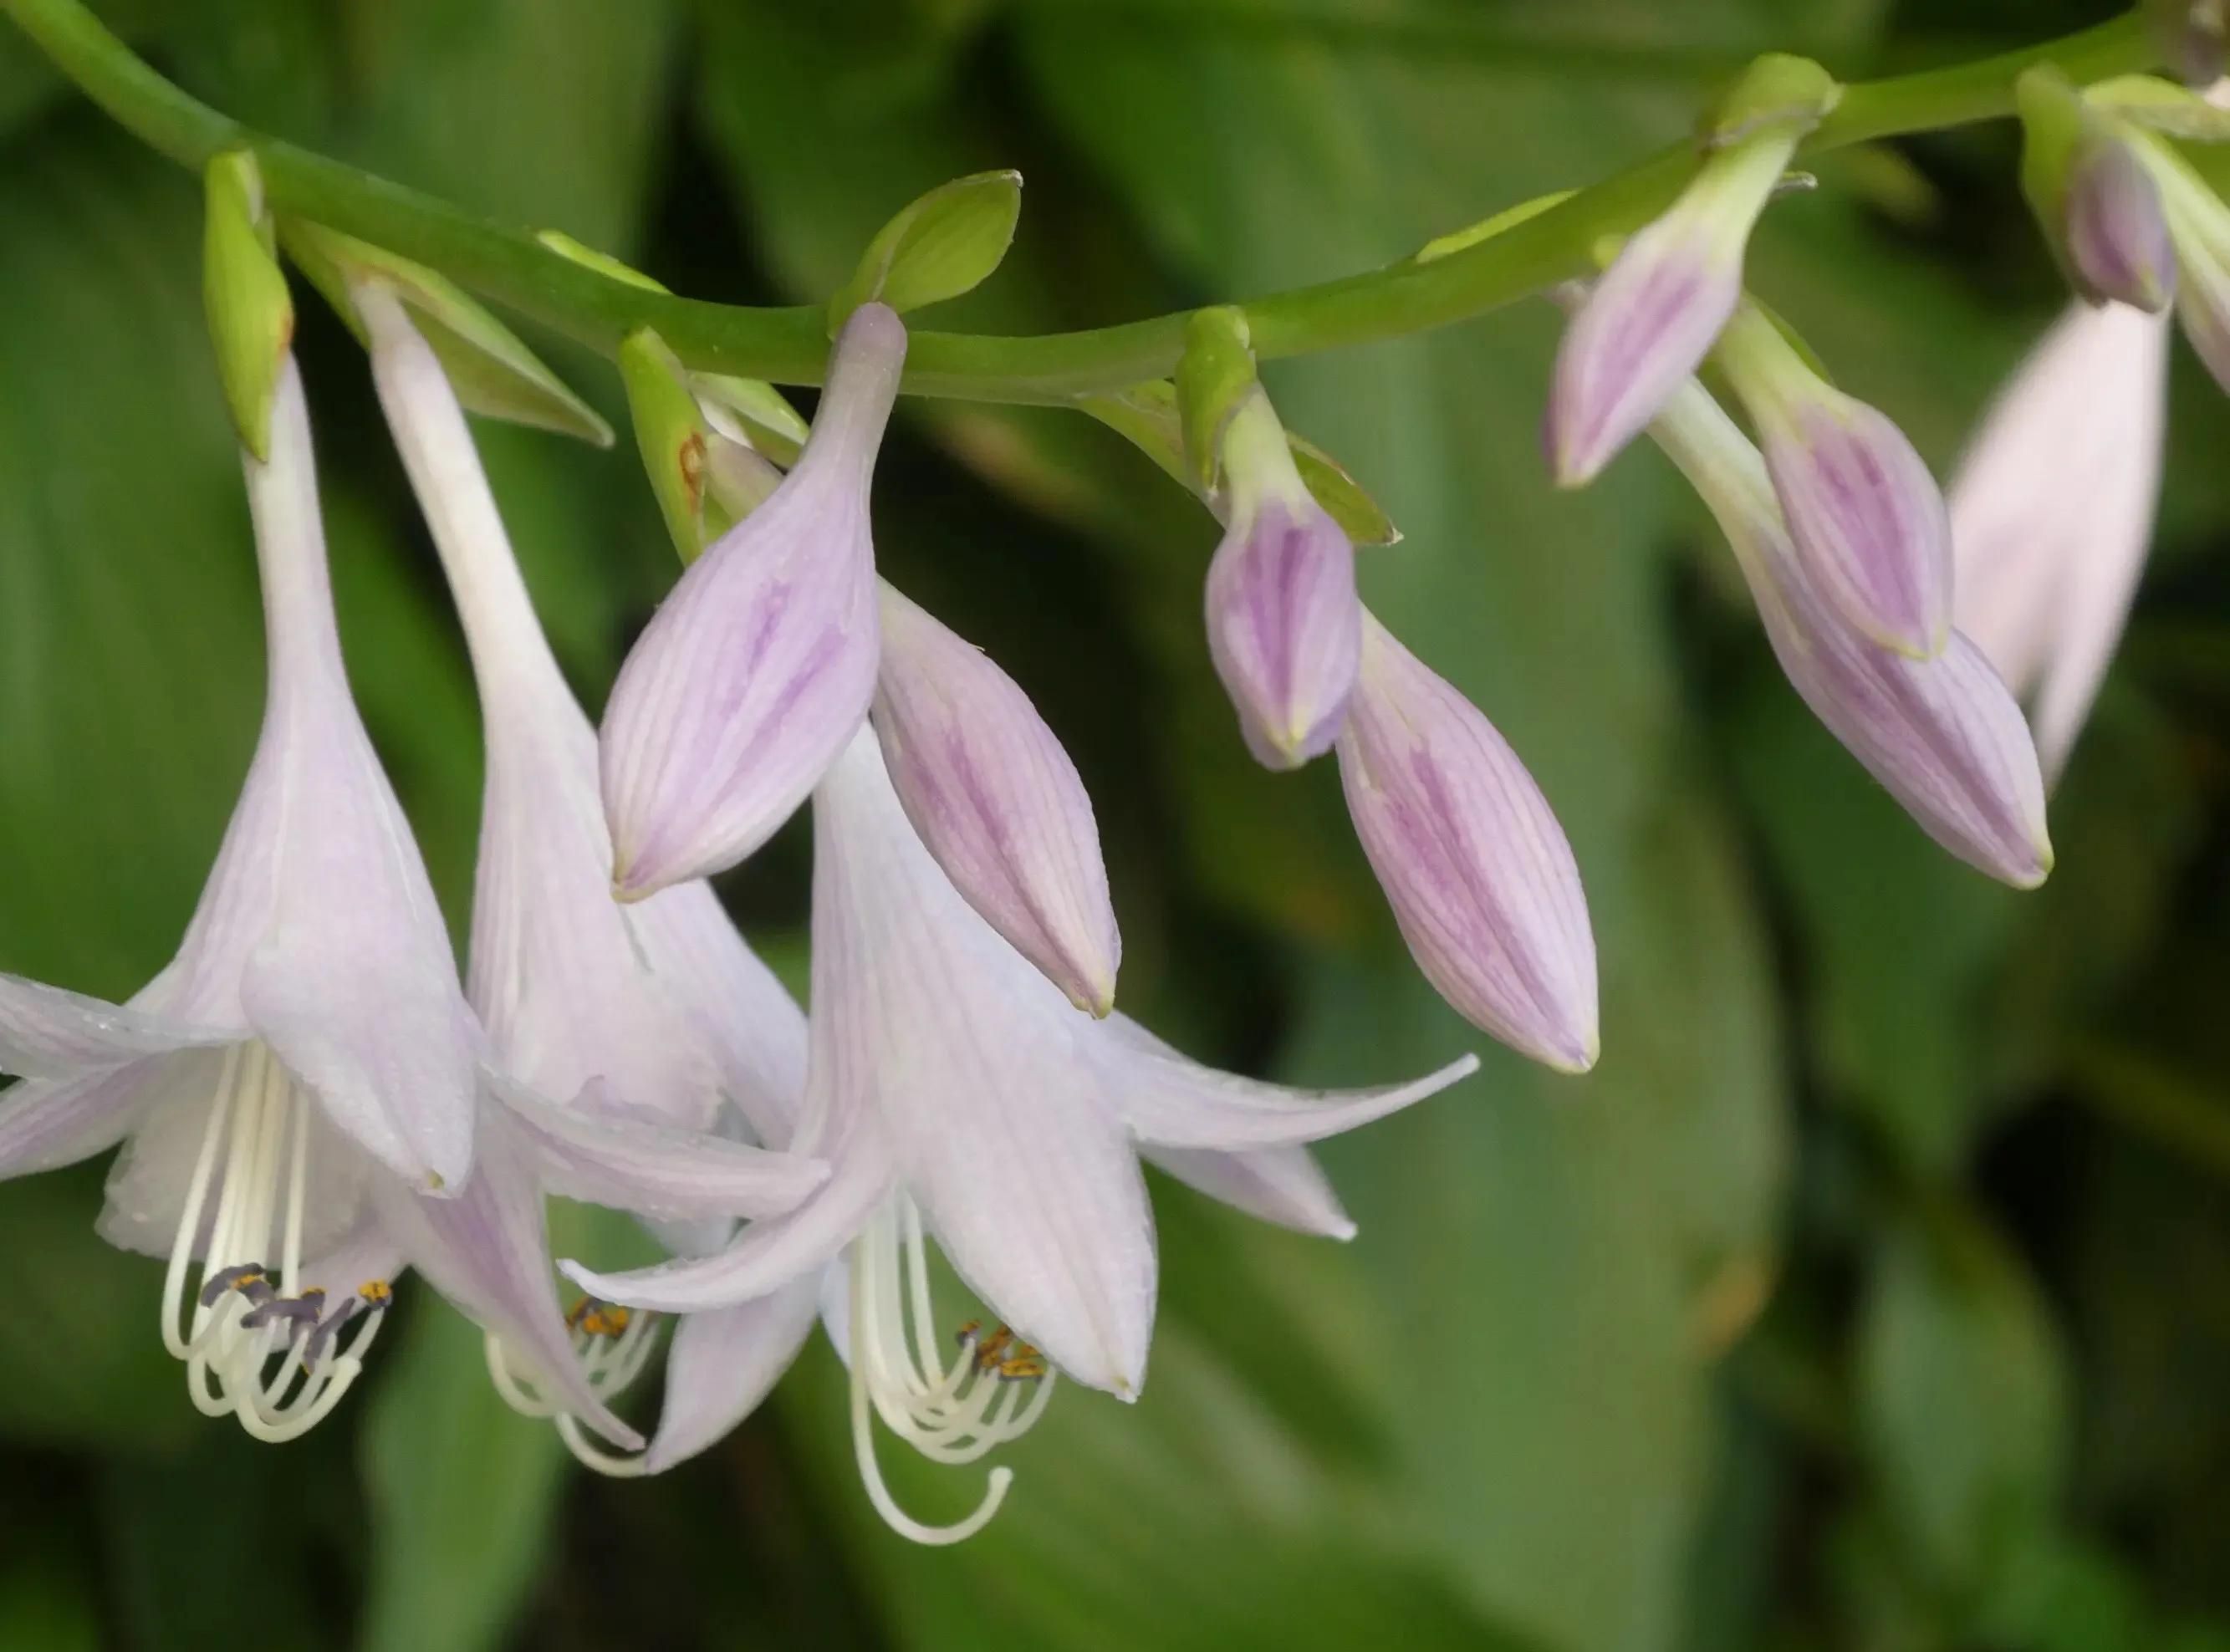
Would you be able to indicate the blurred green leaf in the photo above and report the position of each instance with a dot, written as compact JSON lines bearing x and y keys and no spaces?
{"x":1964,"y":1398}
{"x":462,"y":1489}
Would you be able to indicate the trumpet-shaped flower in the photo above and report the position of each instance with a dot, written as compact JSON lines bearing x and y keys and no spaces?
{"x":1942,"y":736}
{"x":654,"y":1020}
{"x":1479,"y":874}
{"x":959,"y":1096}
{"x":2052,"y":512}
{"x":302,"y":1089}
{"x":752,"y":676}
{"x":1285,"y":625}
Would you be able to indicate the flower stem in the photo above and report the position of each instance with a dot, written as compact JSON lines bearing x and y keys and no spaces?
{"x":790,"y":345}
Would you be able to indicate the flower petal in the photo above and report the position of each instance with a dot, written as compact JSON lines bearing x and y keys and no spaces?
{"x":48,"y":1032}
{"x":1285,"y":1186}
{"x":486,"y":1250}
{"x":974,"y":1068}
{"x":1473,"y":860}
{"x":587,"y":1152}
{"x":996,"y":801}
{"x":2052,"y":512}
{"x":722,"y":1363}
{"x":1174,"y":1101}
{"x":49,"y":1123}
{"x":751,"y":678}
{"x":351,"y":980}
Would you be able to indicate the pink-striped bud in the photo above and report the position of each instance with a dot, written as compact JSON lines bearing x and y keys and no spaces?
{"x":1283,"y":621}
{"x":751,"y":678}
{"x":1863,"y":512}
{"x":1471,"y":857}
{"x":997,"y":801}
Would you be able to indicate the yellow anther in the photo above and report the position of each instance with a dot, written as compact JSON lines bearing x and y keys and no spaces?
{"x":1022,"y":1368}
{"x":968,"y":1332}
{"x":598,"y":1319}
{"x":376,"y":1292}
{"x":993,"y":1348}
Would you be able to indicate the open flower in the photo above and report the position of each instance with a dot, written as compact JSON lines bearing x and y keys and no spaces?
{"x":752,"y":676}
{"x":2052,"y":512}
{"x":958,"y":1095}
{"x":1942,"y":736}
{"x":653,"y":1021}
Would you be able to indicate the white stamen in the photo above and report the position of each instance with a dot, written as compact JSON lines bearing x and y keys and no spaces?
{"x":260,"y":1125}
{"x":950,"y":1413}
{"x":609,"y":1365}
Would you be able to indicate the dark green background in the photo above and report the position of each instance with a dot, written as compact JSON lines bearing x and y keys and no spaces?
{"x":1873,"y":1294}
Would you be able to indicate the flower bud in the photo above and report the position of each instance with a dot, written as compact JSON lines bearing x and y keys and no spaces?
{"x":2199,"y":229}
{"x":1863,"y":511}
{"x":750,"y":680}
{"x":1942,"y":736}
{"x":1649,"y":322}
{"x":1283,"y":621}
{"x":1472,"y":861}
{"x":996,"y":801}
{"x":2099,"y":207}
{"x":251,"y":316}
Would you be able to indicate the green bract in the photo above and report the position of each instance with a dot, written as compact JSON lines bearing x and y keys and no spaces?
{"x":1215,"y":376}
{"x":495,"y":374}
{"x":940,"y":246}
{"x":671,"y":433}
{"x":251,"y":315}
{"x":1777,"y":91}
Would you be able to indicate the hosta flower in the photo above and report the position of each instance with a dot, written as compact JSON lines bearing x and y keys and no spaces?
{"x":304,"y":1096}
{"x":651,"y":1019}
{"x":1480,"y":876}
{"x":1285,"y":625}
{"x":2052,"y":512}
{"x":961,"y":1098}
{"x":752,"y":676}
{"x":1942,"y":736}
{"x":1862,"y":510}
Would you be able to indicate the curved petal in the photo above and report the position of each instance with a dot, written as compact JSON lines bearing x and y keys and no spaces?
{"x":49,"y":1123}
{"x":2052,"y":512}
{"x":769,"y":1255}
{"x":721,"y":1365}
{"x":486,"y":1250}
{"x":1174,"y":1101}
{"x":588,"y":1153}
{"x":48,"y":1032}
{"x":1285,"y":1186}
{"x":973,"y":1065}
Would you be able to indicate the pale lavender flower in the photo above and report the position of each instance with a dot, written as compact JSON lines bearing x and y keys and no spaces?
{"x":960,"y":1096}
{"x":1283,"y":621}
{"x":752,"y":676}
{"x":2052,"y":512}
{"x":1651,"y":318}
{"x":303,"y":1093}
{"x":1863,"y":512}
{"x":1479,"y":872}
{"x":653,"y":1020}
{"x":997,"y":801}
{"x":1942,"y":736}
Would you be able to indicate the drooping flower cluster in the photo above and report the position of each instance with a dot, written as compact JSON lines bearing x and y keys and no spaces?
{"x":310,"y":1100}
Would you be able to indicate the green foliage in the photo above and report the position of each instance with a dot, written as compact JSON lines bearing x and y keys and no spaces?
{"x":1773,"y":1333}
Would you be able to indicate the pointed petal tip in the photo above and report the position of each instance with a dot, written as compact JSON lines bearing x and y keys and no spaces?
{"x":1342,"y":1232}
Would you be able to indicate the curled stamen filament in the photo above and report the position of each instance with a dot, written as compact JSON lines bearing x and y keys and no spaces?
{"x":280,"y":1376}
{"x":608,"y":1363}
{"x":951,"y":1412}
